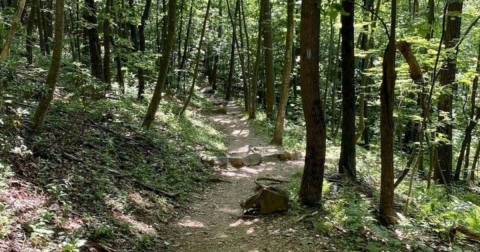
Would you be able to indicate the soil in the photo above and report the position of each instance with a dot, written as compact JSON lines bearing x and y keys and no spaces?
{"x":213,"y":220}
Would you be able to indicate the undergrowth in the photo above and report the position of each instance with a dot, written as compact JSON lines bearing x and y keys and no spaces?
{"x":95,"y":175}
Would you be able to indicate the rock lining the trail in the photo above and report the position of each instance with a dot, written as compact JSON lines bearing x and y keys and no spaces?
{"x":249,"y":160}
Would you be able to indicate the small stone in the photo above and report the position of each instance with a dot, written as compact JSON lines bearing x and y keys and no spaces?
{"x":285,"y":156}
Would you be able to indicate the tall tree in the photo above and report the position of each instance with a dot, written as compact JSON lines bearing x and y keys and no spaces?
{"x":93,"y":40}
{"x":44,"y":103}
{"x":287,"y":68}
{"x":447,"y":81}
{"x":162,"y":75}
{"x":106,"y":41}
{"x":311,"y":187}
{"x":347,"y":163}
{"x":253,"y":83}
{"x":269,"y":66}
{"x":141,"y":31}
{"x":387,"y":97}
{"x":30,"y":26}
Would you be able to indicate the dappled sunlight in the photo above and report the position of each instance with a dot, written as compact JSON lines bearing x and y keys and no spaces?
{"x":241,"y":222}
{"x":230,"y":211}
{"x":138,"y":225}
{"x":241,"y":133}
{"x":187,"y":222}
{"x":250,"y":230}
{"x":234,"y":174}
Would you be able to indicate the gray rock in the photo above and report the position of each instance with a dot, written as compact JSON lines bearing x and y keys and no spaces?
{"x":252,"y":159}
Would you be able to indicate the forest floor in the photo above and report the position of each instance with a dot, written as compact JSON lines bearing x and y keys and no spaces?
{"x":213,"y":219}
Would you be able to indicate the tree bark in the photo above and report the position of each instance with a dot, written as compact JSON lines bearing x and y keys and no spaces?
{"x":311,"y":186}
{"x":44,"y":103}
{"x":106,"y":41}
{"x":269,"y":67}
{"x":347,"y":163}
{"x":254,"y":80}
{"x":162,"y":75}
{"x":387,"y":97}
{"x":94,"y":41}
{"x":228,"y":92}
{"x":141,"y":31}
{"x":30,"y":26}
{"x":13,"y":28}
{"x":185,"y":45}
{"x":287,"y":68}
{"x":447,"y":81}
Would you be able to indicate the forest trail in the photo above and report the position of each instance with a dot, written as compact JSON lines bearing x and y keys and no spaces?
{"x":212,"y":220}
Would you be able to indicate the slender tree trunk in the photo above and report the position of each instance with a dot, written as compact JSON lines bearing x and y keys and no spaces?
{"x":141,"y":31}
{"x":40,"y":26}
{"x":254,"y":84}
{"x":474,"y":116}
{"x":334,"y":128}
{"x":447,"y":81}
{"x":287,"y":68}
{"x":30,"y":26}
{"x":44,"y":103}
{"x":185,"y":44}
{"x":94,"y":41}
{"x":197,"y":63}
{"x":269,"y":67}
{"x":106,"y":41}
{"x":216,"y":57}
{"x":475,"y":162}
{"x":228,"y":92}
{"x":311,"y":186}
{"x":13,"y":28}
{"x":347,"y":163}
{"x":387,"y":97}
{"x":162,"y":75}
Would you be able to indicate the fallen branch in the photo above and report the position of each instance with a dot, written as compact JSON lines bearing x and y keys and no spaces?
{"x":464,"y":230}
{"x":307,"y":215}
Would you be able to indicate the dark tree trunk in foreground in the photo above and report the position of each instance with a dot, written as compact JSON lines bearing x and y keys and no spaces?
{"x":311,"y":187}
{"x":447,"y":81}
{"x":387,"y":98}
{"x":287,"y":68}
{"x":347,"y":163}
{"x":269,"y":67}
{"x":162,"y":75}
{"x":94,"y":41}
{"x":44,"y":103}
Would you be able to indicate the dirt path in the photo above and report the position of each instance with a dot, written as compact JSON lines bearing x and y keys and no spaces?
{"x":212,"y":221}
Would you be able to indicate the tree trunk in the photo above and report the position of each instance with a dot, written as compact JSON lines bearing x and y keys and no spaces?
{"x":141,"y":31}
{"x":311,"y":186}
{"x":197,"y":63}
{"x":474,"y":116}
{"x":30,"y":26}
{"x":387,"y":97}
{"x":269,"y":67}
{"x":11,"y":32}
{"x":185,"y":45}
{"x":44,"y":103}
{"x":106,"y":41}
{"x":216,"y":57}
{"x":228,"y":92}
{"x":475,"y":162}
{"x":254,"y":84}
{"x":94,"y":41}
{"x":287,"y":68}
{"x":162,"y":75}
{"x":447,"y":81}
{"x":35,"y":3}
{"x":347,"y":163}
